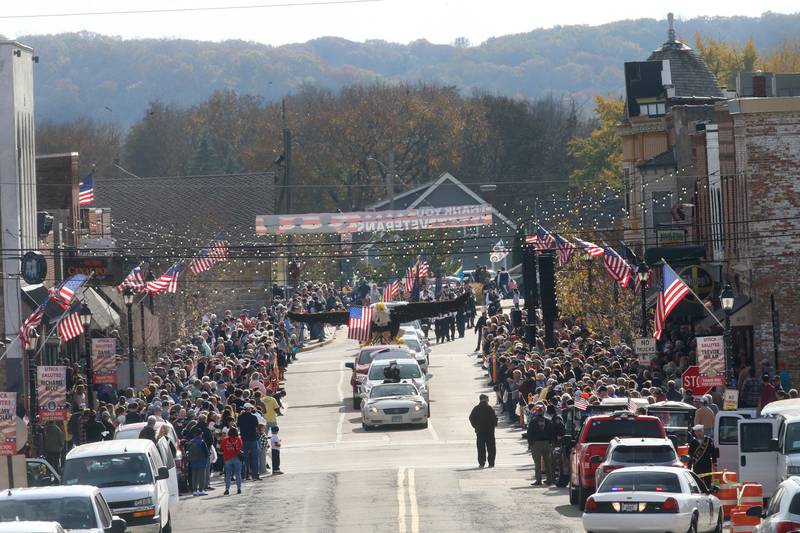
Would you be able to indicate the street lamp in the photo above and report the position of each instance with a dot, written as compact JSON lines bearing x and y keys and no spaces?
{"x":86,"y":319}
{"x":644,"y":274}
{"x":727,"y":299}
{"x":32,"y":344}
{"x":588,"y":260}
{"x":127,"y":297}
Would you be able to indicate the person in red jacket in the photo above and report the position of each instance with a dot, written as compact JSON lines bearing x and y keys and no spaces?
{"x":231,"y":445}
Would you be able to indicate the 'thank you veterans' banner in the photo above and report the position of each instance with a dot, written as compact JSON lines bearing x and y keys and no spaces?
{"x":8,"y":423}
{"x":459,"y":216}
{"x":51,"y":393}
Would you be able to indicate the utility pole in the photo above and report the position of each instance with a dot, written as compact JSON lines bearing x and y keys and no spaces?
{"x":287,"y":178}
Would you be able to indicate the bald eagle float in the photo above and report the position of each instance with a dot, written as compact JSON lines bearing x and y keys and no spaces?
{"x":386,"y":320}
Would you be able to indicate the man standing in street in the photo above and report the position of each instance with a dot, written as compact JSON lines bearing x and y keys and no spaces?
{"x":541,"y":435}
{"x":702,"y":453}
{"x":248,"y":430}
{"x":484,"y":420}
{"x":704,"y":416}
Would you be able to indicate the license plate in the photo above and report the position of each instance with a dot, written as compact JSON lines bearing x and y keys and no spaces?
{"x":397,"y":418}
{"x":630,"y":507}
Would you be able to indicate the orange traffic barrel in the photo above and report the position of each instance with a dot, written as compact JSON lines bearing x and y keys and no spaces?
{"x":751,"y":494}
{"x":728,"y":491}
{"x":741,"y":523}
{"x":683,"y":450}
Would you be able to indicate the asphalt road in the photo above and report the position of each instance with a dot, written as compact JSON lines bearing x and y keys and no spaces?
{"x":404,"y":480}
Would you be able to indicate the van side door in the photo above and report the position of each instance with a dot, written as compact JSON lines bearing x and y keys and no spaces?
{"x":758,"y":459}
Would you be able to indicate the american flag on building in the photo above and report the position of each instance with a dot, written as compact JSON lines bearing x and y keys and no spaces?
{"x":86,"y":190}
{"x":202,"y":262}
{"x":134,"y":280}
{"x":565,"y":249}
{"x":70,"y":326}
{"x":30,"y":324}
{"x":673,"y":290}
{"x":167,"y":282}
{"x":359,"y":325}
{"x":590,"y":248}
{"x":391,"y":290}
{"x":66,"y":291}
{"x":616,"y":267}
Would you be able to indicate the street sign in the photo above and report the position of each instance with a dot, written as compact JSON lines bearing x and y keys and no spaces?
{"x":711,"y":360}
{"x":644,"y":346}
{"x":690,"y":380}
{"x":34,"y":268}
{"x":731,"y":400}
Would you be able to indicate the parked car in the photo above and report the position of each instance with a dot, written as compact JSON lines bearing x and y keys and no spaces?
{"x":78,"y":508}
{"x":360,"y":366}
{"x":783,"y":513}
{"x":131,"y":431}
{"x":419,"y":349}
{"x":392,"y":404}
{"x":653,"y":499}
{"x":131,"y":476}
{"x":634,"y":452}
{"x":31,"y":527}
{"x":594,"y":439}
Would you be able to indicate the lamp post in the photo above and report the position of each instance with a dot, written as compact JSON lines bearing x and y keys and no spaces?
{"x":86,"y":319}
{"x":643,"y":273}
{"x":31,"y":346}
{"x":127,"y":297}
{"x":726,"y":299}
{"x":587,"y":259}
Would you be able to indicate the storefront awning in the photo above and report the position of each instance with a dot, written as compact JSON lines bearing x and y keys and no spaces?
{"x":34,"y":295}
{"x":104,"y":316}
{"x":741,"y":316}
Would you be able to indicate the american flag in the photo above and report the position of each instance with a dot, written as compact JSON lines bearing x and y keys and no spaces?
{"x":422,"y":267}
{"x":673,"y":290}
{"x":581,"y":404}
{"x":359,"y":326}
{"x":410,"y":279}
{"x":616,"y":267}
{"x":30,"y":324}
{"x":391,"y":290}
{"x":531,"y":239}
{"x":565,"y":249}
{"x":219,"y":250}
{"x":545,"y":239}
{"x":66,"y":291}
{"x":202,"y":262}
{"x":590,"y":248}
{"x":70,"y":326}
{"x":167,"y":282}
{"x":86,"y":190}
{"x":133,"y":280}
{"x":632,"y":405}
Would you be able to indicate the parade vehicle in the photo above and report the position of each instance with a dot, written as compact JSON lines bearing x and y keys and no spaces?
{"x":782,"y":515}
{"x":635,"y":452}
{"x":677,"y":418}
{"x":393,"y":404}
{"x":593,"y":440}
{"x":769,"y":450}
{"x":361,"y":364}
{"x":726,"y":437}
{"x":653,"y":499}
{"x":410,"y":372}
{"x":175,"y":448}
{"x":78,"y":509}
{"x":31,"y":527}
{"x":131,"y":476}
{"x":419,"y":349}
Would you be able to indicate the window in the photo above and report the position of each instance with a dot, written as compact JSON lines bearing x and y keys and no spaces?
{"x":756,"y":437}
{"x":644,"y":454}
{"x":728,"y":430}
{"x":70,"y":512}
{"x":109,"y":471}
{"x":662,"y":208}
{"x":627,"y":183}
{"x":105,"y":512}
{"x":641,"y":481}
{"x":652,"y":110}
{"x":775,"y":502}
{"x":605,"y":430}
{"x":791,"y":444}
{"x":406,"y":372}
{"x":693,"y":487}
{"x":393,"y":390}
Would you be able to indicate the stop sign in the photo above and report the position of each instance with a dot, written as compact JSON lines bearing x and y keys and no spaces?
{"x":690,"y":380}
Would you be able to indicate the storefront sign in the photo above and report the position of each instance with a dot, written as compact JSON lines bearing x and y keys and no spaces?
{"x":711,"y":360}
{"x":699,"y":280}
{"x":671,"y":237}
{"x":731,"y":400}
{"x":8,"y":423}
{"x":102,"y":270}
{"x":51,"y":393}
{"x":104,"y":360}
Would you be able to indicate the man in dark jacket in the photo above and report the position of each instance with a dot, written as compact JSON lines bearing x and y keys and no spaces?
{"x":541,"y":434}
{"x":702,"y":453}
{"x":149,"y":431}
{"x":248,"y":426}
{"x":479,"y":329}
{"x":484,"y":420}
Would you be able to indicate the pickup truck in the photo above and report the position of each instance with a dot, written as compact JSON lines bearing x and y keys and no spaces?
{"x":592,"y":443}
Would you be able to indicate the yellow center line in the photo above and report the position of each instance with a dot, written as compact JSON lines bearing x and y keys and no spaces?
{"x":401,"y":500}
{"x":412,"y":498}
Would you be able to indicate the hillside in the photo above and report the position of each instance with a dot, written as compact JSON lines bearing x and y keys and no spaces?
{"x":112,"y":79}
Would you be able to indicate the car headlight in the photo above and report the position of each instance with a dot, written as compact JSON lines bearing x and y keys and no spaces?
{"x":143,"y":502}
{"x":373,"y":409}
{"x":417,"y":407}
{"x":793,"y":470}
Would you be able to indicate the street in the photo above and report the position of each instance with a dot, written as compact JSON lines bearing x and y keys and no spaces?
{"x":340,"y":478}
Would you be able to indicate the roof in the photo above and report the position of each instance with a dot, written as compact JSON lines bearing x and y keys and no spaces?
{"x":662,"y":160}
{"x":110,"y":447}
{"x":672,"y":405}
{"x":648,"y":441}
{"x":200,"y":206}
{"x":57,"y":491}
{"x":691,"y":77}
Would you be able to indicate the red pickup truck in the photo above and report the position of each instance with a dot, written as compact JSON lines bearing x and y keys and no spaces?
{"x":593,"y":441}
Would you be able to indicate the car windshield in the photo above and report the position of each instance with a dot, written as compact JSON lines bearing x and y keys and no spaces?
{"x":127,"y":434}
{"x":406,"y":372}
{"x":392,"y":354}
{"x":399,"y":389}
{"x":413,"y":344}
{"x":640,"y":481}
{"x":673,"y":419}
{"x":603,"y":430}
{"x":108,"y":470}
{"x":365,"y":357}
{"x":71,"y":512}
{"x":792,"y":439}
{"x":643,"y":454}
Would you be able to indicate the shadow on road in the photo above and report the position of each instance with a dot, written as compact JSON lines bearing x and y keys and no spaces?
{"x":568,"y":510}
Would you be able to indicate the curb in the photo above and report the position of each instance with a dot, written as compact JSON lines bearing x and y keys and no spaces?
{"x":331,"y":337}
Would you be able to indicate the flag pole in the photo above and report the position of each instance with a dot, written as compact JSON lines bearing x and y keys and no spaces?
{"x":703,"y":305}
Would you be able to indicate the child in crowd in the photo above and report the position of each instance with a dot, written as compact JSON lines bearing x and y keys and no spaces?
{"x":275,"y":442}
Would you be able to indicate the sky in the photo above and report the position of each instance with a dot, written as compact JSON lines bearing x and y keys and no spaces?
{"x":438,"y":21}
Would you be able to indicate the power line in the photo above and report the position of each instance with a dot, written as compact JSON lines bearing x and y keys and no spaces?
{"x":187,"y":9}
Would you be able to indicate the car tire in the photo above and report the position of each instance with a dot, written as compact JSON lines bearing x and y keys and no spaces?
{"x":356,"y":402}
{"x":167,"y":528}
{"x":582,"y":495}
{"x":425,"y":424}
{"x":718,"y":529}
{"x":365,"y":427}
{"x":693,"y":525}
{"x":573,"y":495}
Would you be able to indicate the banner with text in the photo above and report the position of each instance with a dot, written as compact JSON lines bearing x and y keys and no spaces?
{"x":51,"y":393}
{"x":711,"y":360}
{"x":104,"y":361}
{"x":459,"y":216}
{"x":8,"y":423}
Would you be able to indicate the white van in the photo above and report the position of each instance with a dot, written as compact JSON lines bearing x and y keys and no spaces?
{"x":131,"y":476}
{"x":769,"y":450}
{"x":726,"y":437}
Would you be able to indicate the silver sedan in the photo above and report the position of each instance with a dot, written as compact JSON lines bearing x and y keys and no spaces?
{"x":393,"y":404}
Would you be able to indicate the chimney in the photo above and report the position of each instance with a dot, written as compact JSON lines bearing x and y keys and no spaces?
{"x":488,"y":193}
{"x":671,"y":32}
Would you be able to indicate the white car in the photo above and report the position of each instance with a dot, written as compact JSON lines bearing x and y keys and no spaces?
{"x":419,"y":348}
{"x":131,"y":476}
{"x":653,"y":499}
{"x":783,"y":513}
{"x":622,"y":453}
{"x":393,"y":403}
{"x":31,"y":527}
{"x":78,"y":508}
{"x":410,"y":372}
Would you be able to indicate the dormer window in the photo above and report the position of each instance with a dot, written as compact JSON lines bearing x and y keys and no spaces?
{"x":653,"y":110}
